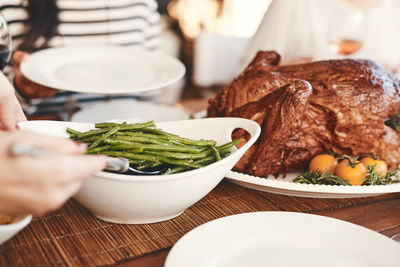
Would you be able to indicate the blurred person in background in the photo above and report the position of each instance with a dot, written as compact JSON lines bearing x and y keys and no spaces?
{"x":39,"y":24}
{"x":30,"y":185}
{"x":309,"y":30}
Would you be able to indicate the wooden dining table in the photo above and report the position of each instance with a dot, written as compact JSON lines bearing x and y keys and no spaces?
{"x":71,"y":236}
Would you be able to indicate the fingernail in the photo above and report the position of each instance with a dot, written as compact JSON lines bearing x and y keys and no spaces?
{"x":81,"y":146}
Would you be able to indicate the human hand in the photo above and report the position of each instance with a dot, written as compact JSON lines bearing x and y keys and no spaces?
{"x":10,"y":110}
{"x":34,"y":185}
{"x":26,"y":87}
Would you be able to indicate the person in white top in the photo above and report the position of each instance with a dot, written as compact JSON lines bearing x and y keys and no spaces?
{"x":305,"y":30}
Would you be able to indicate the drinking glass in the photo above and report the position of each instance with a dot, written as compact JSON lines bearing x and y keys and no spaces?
{"x":347,"y":38}
{"x":5,"y":43}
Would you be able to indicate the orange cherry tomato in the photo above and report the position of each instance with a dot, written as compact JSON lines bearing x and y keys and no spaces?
{"x":380,"y":165}
{"x":355,"y":175}
{"x":323,"y":163}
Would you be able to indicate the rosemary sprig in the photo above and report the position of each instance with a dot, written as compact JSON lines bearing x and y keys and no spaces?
{"x":316,"y":177}
{"x":375,"y":179}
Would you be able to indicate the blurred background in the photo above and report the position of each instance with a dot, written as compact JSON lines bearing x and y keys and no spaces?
{"x":215,"y":40}
{"x":210,"y":37}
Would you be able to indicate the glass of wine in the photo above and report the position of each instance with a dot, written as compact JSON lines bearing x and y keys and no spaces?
{"x":347,"y":38}
{"x":5,"y":43}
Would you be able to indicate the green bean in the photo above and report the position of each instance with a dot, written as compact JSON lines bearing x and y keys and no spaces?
{"x":72,"y":132}
{"x":97,"y":150}
{"x":180,"y":162}
{"x":224,"y":152}
{"x":91,"y":133}
{"x":104,"y":136}
{"x":89,"y":140}
{"x":151,"y":166}
{"x":116,"y":142}
{"x":230,"y":144}
{"x":136,"y":162}
{"x":186,"y":141}
{"x":175,"y":170}
{"x":147,"y":147}
{"x":204,"y":161}
{"x":155,"y":147}
{"x":159,"y":138}
{"x":139,"y":139}
{"x":127,"y":135}
{"x":124,"y":126}
{"x":130,"y":150}
{"x":131,"y":156}
{"x":108,"y":124}
{"x":157,"y":132}
{"x":216,"y":153}
{"x":176,"y":143}
{"x":176,"y":155}
{"x":170,"y":137}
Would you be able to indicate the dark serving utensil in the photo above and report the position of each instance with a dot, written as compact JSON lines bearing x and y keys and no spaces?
{"x":121,"y":165}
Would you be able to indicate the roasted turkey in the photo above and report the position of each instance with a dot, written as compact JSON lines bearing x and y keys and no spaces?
{"x":333,"y":105}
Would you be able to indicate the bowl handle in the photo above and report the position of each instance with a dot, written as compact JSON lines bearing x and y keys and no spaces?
{"x":250,"y":126}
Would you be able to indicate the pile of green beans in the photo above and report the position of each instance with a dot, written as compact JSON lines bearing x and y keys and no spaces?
{"x":148,"y":148}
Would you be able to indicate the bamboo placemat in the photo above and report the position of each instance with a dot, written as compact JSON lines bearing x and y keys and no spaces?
{"x":71,"y":236}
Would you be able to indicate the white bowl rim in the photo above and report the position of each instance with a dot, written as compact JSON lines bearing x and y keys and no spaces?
{"x":17,"y":225}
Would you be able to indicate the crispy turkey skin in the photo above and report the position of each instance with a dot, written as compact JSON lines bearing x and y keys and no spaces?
{"x":334,"y":105}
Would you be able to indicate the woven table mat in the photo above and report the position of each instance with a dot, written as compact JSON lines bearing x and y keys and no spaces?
{"x":71,"y":236}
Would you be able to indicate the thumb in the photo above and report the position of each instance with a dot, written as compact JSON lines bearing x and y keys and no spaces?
{"x":84,"y":166}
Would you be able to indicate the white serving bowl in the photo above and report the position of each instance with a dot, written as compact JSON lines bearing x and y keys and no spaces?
{"x":9,"y":230}
{"x":134,"y":199}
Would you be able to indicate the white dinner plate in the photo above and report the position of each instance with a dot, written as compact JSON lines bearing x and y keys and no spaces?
{"x":102,"y":69}
{"x":282,"y":239}
{"x":285,"y":186}
{"x":129,"y":110}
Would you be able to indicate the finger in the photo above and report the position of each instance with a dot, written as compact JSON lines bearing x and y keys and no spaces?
{"x":27,"y":200}
{"x":82,"y":167}
{"x":54,"y":144}
{"x":72,"y":189}
{"x":11,"y":113}
{"x":19,"y":114}
{"x":7,"y":118}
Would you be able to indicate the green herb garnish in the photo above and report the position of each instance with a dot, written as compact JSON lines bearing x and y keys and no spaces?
{"x":316,"y":177}
{"x":375,"y":179}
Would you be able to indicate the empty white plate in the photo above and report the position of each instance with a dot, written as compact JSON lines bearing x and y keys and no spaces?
{"x":282,"y":239}
{"x":102,"y":69}
{"x":127,"y":109}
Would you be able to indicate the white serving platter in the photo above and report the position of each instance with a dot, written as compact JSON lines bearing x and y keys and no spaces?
{"x":285,"y":186}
